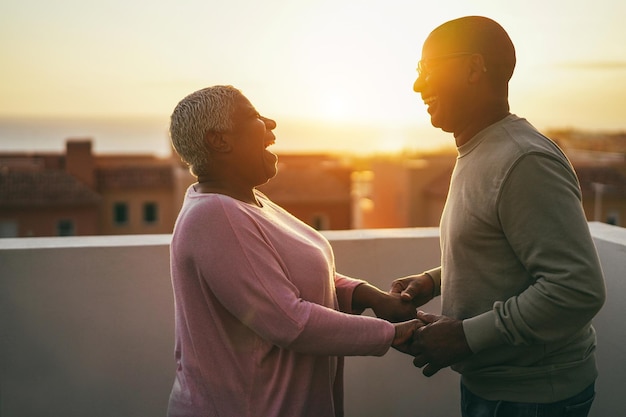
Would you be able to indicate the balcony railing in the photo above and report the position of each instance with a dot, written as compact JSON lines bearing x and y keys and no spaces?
{"x":86,"y":326}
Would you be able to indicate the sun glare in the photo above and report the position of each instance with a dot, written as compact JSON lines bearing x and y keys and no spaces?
{"x":392,"y":141}
{"x":333,"y":107}
{"x":340,"y":65}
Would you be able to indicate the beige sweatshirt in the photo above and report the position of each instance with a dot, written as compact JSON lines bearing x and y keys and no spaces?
{"x":519,"y":267}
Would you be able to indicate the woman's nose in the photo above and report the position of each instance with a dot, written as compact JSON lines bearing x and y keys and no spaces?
{"x":270,"y":124}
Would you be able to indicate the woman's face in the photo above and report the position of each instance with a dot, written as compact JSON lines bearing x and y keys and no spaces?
{"x":252,"y":135}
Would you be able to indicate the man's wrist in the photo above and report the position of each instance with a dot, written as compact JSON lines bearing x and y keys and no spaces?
{"x":432,"y":281}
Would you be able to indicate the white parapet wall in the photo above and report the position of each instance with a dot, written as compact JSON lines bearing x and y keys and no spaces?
{"x":86,"y":326}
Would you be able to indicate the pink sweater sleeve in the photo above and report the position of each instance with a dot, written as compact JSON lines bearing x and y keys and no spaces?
{"x":252,"y":285}
{"x":330,"y":332}
{"x":345,"y":288}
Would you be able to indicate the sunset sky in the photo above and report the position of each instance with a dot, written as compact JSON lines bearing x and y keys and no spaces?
{"x":328,"y":63}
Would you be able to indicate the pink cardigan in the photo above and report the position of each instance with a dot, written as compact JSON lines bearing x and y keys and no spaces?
{"x":259,"y":330}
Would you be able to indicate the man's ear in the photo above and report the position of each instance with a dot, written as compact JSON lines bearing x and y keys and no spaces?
{"x":477,"y":67}
{"x":218,"y":142}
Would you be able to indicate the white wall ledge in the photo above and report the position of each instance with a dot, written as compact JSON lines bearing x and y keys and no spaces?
{"x":86,"y":323}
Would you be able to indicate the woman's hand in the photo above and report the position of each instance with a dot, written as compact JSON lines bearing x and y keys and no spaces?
{"x":388,"y":306}
{"x":393,"y":308}
{"x":404,"y":335}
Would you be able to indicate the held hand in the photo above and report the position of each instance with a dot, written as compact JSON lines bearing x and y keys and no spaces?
{"x":438,"y":344}
{"x":386,"y":306}
{"x":404,"y":331}
{"x":418,"y":289}
{"x":392,"y":308}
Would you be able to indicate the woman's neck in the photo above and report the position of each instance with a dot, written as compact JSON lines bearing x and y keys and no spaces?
{"x":206,"y":185}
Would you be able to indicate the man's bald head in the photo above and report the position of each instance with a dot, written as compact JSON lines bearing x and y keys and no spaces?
{"x":477,"y":34}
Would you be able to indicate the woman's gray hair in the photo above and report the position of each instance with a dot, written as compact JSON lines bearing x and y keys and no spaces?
{"x":201,"y":112}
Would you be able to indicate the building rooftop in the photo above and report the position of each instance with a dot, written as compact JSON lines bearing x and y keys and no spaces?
{"x":309,"y":178}
{"x":43,"y":188}
{"x":308,"y":186}
{"x":134,"y":176}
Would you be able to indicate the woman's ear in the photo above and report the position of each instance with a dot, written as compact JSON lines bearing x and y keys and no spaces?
{"x":218,"y":141}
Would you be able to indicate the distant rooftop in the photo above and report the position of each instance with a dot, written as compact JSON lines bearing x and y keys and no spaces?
{"x":138,"y":177}
{"x":43,"y":188}
{"x":322,"y":180}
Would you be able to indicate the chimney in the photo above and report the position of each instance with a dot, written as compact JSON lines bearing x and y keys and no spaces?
{"x":79,"y":161}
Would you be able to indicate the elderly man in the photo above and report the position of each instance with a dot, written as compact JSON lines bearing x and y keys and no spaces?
{"x":520,"y":278}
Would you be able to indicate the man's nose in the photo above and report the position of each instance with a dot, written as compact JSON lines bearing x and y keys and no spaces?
{"x":418,"y":85}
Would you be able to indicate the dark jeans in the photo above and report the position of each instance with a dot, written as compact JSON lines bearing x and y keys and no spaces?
{"x":576,"y":406}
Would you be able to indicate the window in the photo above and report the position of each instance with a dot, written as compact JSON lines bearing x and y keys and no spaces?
{"x":613,"y":218}
{"x":65,"y":228}
{"x":320,"y":222}
{"x":8,"y":228}
{"x":120,"y":214}
{"x":150,"y":213}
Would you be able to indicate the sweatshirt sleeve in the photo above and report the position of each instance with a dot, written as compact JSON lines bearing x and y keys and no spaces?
{"x":435,"y":275}
{"x":542,"y":218}
{"x":245,"y":274}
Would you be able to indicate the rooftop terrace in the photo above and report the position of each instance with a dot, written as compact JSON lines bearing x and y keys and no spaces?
{"x":87,"y":329}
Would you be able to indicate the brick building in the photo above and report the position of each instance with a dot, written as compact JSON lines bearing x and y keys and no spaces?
{"x":79,"y":193}
{"x":407,"y":191}
{"x":314,"y":188}
{"x":411,"y":192}
{"x":50,"y":202}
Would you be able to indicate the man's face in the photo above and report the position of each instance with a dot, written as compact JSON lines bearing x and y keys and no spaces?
{"x":442,"y":83}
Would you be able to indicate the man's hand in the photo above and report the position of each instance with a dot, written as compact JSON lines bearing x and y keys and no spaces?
{"x":438,"y":344}
{"x":417,"y":289}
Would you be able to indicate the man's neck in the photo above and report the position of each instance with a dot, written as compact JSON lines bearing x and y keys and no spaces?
{"x":484,"y":119}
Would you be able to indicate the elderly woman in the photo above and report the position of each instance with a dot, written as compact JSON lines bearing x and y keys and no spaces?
{"x":262,"y":318}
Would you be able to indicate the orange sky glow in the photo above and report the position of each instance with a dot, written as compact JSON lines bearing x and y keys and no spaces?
{"x":335,"y":74}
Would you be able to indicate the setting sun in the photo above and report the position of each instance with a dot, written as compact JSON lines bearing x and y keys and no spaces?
{"x":325,"y":62}
{"x":333,"y":107}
